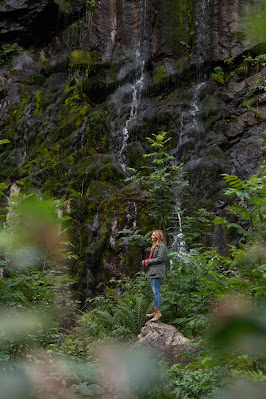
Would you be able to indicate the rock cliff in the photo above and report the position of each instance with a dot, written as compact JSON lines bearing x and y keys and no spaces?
{"x":83,"y":83}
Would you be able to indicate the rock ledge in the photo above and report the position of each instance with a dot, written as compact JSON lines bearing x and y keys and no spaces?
{"x":164,"y":341}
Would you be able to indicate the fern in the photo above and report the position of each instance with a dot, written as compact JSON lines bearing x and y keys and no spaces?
{"x":124,"y":319}
{"x":141,"y":309}
{"x":105,"y":318}
{"x":125,"y":316}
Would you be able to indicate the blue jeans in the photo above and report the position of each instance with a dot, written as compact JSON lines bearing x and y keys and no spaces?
{"x":155,"y":286}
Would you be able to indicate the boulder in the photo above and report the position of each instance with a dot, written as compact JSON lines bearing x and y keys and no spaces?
{"x":164,"y":341}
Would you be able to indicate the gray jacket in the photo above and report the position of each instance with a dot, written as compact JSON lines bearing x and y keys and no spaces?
{"x":157,"y":264}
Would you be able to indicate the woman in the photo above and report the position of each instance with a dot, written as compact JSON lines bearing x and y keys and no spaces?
{"x":156,"y":270}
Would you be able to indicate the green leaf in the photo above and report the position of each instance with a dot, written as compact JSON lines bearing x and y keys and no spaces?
{"x":4,"y":141}
{"x":219,"y":220}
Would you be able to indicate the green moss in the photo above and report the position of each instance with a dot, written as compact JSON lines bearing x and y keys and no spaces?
{"x":182,"y":64}
{"x":146,"y":221}
{"x":113,"y":70}
{"x":84,"y":110}
{"x":110,"y":173}
{"x":72,"y":192}
{"x":173,"y":93}
{"x":159,"y":74}
{"x":180,"y":15}
{"x":65,"y":6}
{"x":218,"y":75}
{"x":254,"y":65}
{"x":74,"y":96}
{"x":40,"y":159}
{"x":42,"y":97}
{"x":212,"y":119}
{"x":38,"y":79}
{"x":97,"y":190}
{"x":8,"y":50}
{"x":83,"y":58}
{"x":132,"y":259}
{"x":71,"y":35}
{"x":134,"y":156}
{"x":96,"y":133}
{"x":70,"y":160}
{"x":15,"y":114}
{"x":248,"y":103}
{"x":38,"y":108}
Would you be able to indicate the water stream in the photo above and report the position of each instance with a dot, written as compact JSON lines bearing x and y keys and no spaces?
{"x":194,"y":111}
{"x":80,"y":133}
{"x":190,"y":126}
{"x":136,"y":87}
{"x":179,"y":243}
{"x":202,"y":43}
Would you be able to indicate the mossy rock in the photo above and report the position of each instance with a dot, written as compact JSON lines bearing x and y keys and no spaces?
{"x":180,"y":22}
{"x":98,"y":88}
{"x":65,"y":7}
{"x":159,"y":74}
{"x":42,"y":97}
{"x":110,"y":173}
{"x":83,"y":58}
{"x":97,"y":190}
{"x":132,"y":259}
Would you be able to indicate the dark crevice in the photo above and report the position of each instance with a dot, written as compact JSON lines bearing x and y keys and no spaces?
{"x":32,"y":27}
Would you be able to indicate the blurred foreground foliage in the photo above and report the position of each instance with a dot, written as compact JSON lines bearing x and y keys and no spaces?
{"x":218,"y":301}
{"x":49,"y":349}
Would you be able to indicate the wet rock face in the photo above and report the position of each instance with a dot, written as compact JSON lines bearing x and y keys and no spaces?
{"x":228,"y":26}
{"x":140,"y":66}
{"x":117,"y":27}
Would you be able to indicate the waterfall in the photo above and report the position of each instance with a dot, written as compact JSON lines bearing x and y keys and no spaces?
{"x":79,"y":135}
{"x":137,"y":88}
{"x":134,"y":90}
{"x":194,"y":111}
{"x":189,"y":126}
{"x":179,"y":243}
{"x":202,"y":42}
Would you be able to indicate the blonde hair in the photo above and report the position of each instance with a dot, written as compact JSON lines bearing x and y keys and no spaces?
{"x":160,"y":238}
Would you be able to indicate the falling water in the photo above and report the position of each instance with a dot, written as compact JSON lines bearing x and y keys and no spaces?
{"x":80,"y":133}
{"x":137,"y":86}
{"x":179,"y":243}
{"x":202,"y":43}
{"x":194,"y":111}
{"x":190,"y":126}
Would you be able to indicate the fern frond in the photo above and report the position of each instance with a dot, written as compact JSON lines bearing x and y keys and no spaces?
{"x":125,"y":316}
{"x":105,"y":317}
{"x":141,"y":309}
